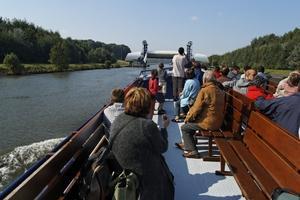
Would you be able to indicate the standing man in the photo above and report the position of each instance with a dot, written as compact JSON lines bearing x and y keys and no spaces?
{"x":179,"y":61}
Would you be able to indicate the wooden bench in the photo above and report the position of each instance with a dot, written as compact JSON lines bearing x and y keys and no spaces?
{"x":268,"y":157}
{"x":231,"y":126}
{"x":271,"y":89}
{"x":273,"y":83}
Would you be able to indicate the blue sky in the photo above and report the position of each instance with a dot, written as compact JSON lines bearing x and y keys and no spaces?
{"x":214,"y":26}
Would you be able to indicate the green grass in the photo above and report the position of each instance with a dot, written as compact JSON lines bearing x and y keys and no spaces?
{"x":283,"y":72}
{"x":50,"y":68}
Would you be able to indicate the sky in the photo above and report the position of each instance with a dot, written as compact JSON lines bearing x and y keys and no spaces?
{"x":214,"y":26}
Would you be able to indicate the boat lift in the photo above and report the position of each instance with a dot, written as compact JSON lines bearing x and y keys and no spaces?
{"x":141,"y":58}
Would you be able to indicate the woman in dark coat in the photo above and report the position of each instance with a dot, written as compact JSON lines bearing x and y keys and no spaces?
{"x":139,"y":146}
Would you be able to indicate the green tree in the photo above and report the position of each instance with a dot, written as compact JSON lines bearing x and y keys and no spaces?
{"x":13,"y":63}
{"x":108,"y":64}
{"x":59,"y":55}
{"x":294,"y":58}
{"x":99,"y":55}
{"x":33,"y":44}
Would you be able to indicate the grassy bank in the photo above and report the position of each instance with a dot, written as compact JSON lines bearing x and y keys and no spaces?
{"x":278,"y":72}
{"x":50,"y":68}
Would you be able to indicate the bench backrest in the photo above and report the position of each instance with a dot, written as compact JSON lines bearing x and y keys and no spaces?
{"x":271,"y":89}
{"x":276,"y":150}
{"x":273,"y":83}
{"x":233,"y":114}
{"x":248,"y":106}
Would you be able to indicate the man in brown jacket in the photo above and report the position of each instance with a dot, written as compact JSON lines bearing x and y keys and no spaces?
{"x":207,"y":113}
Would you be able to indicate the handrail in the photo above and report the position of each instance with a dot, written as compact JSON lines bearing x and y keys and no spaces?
{"x":149,"y":70}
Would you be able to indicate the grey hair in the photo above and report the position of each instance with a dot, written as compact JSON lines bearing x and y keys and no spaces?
{"x":208,"y":76}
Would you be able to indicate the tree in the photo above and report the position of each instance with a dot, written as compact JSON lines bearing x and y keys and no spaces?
{"x":294,"y":58}
{"x":108,"y":64}
{"x":59,"y":55}
{"x":33,"y":44}
{"x":13,"y":63}
{"x":99,"y":55}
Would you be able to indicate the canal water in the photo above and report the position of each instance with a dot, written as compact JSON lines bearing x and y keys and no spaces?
{"x":38,"y":111}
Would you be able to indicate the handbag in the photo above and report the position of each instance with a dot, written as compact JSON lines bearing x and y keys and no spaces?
{"x":126,"y":186}
{"x":97,"y":181}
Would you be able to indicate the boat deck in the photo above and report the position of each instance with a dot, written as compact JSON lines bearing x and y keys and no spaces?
{"x":194,"y":178}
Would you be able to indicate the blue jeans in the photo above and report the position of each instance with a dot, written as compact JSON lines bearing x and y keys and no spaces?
{"x":179,"y":109}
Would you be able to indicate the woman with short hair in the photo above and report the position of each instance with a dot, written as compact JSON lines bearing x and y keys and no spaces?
{"x":187,"y":96}
{"x":139,"y":144}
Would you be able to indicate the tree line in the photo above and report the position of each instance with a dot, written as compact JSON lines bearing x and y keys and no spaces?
{"x":33,"y":44}
{"x":271,"y":51}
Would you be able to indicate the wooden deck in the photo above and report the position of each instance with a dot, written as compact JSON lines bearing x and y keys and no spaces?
{"x":194,"y":178}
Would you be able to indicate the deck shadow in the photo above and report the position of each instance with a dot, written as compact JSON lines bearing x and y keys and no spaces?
{"x":194,"y":179}
{"x":207,"y":197}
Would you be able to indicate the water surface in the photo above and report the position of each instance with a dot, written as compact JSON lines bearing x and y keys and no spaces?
{"x":36,"y":111}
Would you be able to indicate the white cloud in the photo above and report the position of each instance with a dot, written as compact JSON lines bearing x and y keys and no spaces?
{"x":194,"y":18}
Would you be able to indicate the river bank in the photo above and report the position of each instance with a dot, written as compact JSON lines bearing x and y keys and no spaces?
{"x":50,"y":68}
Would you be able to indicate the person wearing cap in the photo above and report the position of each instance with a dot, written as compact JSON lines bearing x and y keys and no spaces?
{"x":255,"y":89}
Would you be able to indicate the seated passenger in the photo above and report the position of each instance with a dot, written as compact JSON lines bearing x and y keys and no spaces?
{"x":217,"y":72}
{"x":289,"y":85}
{"x":285,"y":111}
{"x":261,"y":72}
{"x":139,"y":145}
{"x":255,"y":89}
{"x":198,"y":69}
{"x":111,"y":112}
{"x":223,"y":77}
{"x":207,"y":113}
{"x":187,"y":96}
{"x":242,"y":84}
{"x":234,"y":73}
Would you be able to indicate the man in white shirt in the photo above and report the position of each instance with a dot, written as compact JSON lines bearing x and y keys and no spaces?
{"x":112,"y":111}
{"x":179,"y":61}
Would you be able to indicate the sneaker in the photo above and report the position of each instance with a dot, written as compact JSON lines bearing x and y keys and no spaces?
{"x":177,"y":120}
{"x":191,"y":154}
{"x":179,"y":145}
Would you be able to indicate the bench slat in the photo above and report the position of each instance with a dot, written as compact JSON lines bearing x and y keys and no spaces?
{"x":266,"y":182}
{"x":249,"y":189}
{"x":283,"y":173}
{"x":227,"y":134}
{"x":278,"y":138}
